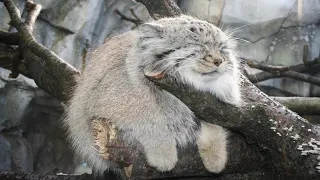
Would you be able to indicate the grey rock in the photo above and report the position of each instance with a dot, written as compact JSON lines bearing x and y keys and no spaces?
{"x":21,"y":153}
{"x":304,"y":12}
{"x":208,"y":10}
{"x":5,"y":154}
{"x":43,"y":130}
{"x":257,"y":19}
{"x":14,"y":98}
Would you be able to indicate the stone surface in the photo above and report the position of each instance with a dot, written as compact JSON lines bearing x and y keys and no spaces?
{"x":5,"y":151}
{"x":209,"y":10}
{"x":256,"y":19}
{"x":21,"y":154}
{"x":14,"y":98}
{"x":304,"y":12}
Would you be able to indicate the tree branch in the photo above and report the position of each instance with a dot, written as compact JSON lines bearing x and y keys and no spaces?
{"x":283,"y":71}
{"x":9,"y":38}
{"x":33,"y":12}
{"x":301,"y":105}
{"x":136,"y":21}
{"x":161,"y":8}
{"x":274,"y":127}
{"x":54,"y":70}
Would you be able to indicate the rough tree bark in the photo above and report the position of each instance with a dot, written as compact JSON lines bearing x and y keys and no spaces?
{"x":267,"y":140}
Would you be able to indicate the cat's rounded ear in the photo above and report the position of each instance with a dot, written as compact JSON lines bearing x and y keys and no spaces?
{"x":150,"y":29}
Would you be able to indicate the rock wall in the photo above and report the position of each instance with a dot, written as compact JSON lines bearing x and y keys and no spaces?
{"x":31,"y":138}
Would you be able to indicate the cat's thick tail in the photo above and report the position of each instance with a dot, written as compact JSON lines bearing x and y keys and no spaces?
{"x":81,"y":138}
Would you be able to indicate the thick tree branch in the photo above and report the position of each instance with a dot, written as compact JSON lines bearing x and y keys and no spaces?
{"x":6,"y":175}
{"x":261,"y":119}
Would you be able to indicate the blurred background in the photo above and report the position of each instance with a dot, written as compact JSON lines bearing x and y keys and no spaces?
{"x":268,"y":32}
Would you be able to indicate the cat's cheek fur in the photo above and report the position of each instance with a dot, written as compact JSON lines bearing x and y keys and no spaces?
{"x":225,"y":86}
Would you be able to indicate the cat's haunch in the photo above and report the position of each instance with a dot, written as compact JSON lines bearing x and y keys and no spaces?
{"x":114,"y":88}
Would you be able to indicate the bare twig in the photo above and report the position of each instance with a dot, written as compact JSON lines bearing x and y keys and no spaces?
{"x":305,"y":55}
{"x":282,"y":71}
{"x":42,"y":57}
{"x":136,"y":21}
{"x":302,"y":77}
{"x":262,"y":76}
{"x":16,"y":63}
{"x":134,"y":14}
{"x":30,"y":42}
{"x":33,"y":12}
{"x":268,"y":68}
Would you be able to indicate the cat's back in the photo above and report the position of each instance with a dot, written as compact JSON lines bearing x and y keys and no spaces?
{"x":105,"y":88}
{"x":110,"y":57}
{"x":105,"y":73}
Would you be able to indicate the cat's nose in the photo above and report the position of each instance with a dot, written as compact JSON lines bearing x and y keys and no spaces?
{"x":217,"y":62}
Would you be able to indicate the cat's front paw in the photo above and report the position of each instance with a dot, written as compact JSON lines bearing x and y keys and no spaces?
{"x":212,"y":147}
{"x":213,"y":162}
{"x":163,"y":158}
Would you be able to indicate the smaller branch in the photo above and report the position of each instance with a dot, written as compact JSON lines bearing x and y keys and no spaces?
{"x":301,"y":105}
{"x":124,"y":17}
{"x":16,"y":63}
{"x":33,"y":12}
{"x":56,"y":76}
{"x":282,"y":71}
{"x":302,"y":77}
{"x":9,"y":38}
{"x":14,"y":13}
{"x":134,"y":14}
{"x":29,"y":40}
{"x":262,"y":76}
{"x":305,"y":55}
{"x":272,"y":69}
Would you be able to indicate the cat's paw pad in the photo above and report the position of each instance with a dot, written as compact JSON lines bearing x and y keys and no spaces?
{"x":163,"y":160}
{"x":162,"y":163}
{"x":213,"y":161}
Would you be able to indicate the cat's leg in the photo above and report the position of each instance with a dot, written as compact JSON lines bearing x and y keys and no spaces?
{"x":212,"y":146}
{"x":160,"y":150}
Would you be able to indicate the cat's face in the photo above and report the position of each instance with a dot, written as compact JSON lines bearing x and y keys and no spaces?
{"x":189,"y":45}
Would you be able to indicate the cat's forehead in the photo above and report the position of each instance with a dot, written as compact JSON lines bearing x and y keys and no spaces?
{"x":188,"y":26}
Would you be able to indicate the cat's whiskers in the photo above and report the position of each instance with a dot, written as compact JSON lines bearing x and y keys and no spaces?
{"x":183,"y":67}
